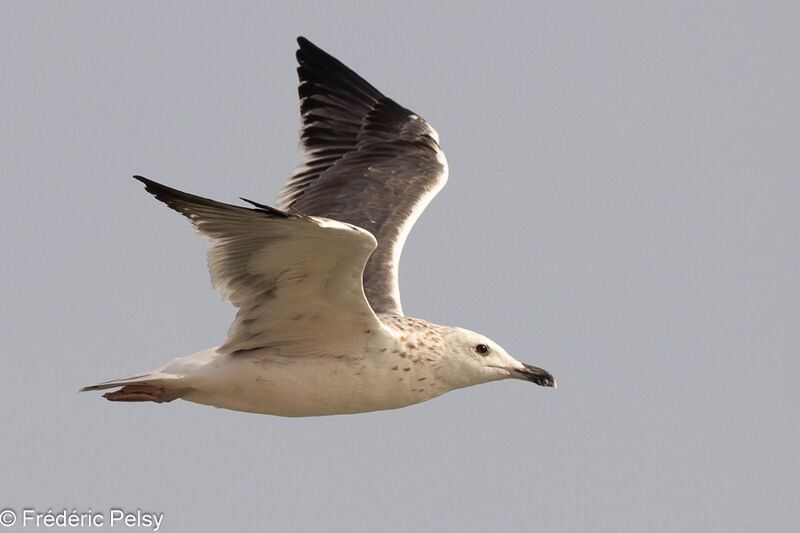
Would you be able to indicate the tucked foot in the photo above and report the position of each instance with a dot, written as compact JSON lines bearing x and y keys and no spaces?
{"x":144,"y":393}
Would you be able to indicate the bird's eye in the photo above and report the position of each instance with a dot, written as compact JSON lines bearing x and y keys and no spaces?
{"x":482,"y":349}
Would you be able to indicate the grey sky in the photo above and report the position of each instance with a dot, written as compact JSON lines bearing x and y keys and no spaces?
{"x":622,"y":210}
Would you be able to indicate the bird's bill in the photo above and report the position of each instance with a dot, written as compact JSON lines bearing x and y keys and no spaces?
{"x":535,"y":374}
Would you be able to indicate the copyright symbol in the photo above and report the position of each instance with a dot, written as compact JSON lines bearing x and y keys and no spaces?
{"x":7,"y":518}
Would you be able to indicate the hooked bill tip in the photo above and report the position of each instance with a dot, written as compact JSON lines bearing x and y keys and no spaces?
{"x":537,"y":375}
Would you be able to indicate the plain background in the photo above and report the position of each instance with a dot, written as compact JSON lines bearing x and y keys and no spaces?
{"x":622,"y":211}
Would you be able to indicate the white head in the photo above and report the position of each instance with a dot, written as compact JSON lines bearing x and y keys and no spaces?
{"x":471,"y":358}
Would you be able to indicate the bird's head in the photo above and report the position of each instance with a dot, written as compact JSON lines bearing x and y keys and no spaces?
{"x":471,"y":358}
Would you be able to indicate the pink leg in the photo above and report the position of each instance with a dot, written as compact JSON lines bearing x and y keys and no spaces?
{"x":144,"y":393}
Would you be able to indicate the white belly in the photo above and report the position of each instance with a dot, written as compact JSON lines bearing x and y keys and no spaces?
{"x":262,"y":382}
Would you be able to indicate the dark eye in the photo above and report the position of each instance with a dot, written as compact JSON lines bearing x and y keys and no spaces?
{"x":482,"y":349}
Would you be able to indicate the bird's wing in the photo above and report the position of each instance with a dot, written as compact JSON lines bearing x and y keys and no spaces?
{"x":297,"y":280}
{"x":367,"y":161}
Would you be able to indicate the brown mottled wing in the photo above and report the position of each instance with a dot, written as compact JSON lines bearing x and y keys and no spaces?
{"x":367,"y":162}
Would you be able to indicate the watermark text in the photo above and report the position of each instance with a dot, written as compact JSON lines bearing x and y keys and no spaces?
{"x":112,"y":518}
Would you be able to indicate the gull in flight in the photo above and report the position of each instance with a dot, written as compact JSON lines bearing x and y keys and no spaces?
{"x":320,"y":329}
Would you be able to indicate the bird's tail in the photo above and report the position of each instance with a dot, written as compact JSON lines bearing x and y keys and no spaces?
{"x":150,"y":387}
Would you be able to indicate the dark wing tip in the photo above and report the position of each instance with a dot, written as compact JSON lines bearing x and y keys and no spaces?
{"x":320,"y":72}
{"x":307,"y":48}
{"x":305,"y":43}
{"x":161,"y":192}
{"x":183,"y":202}
{"x":266,"y":209}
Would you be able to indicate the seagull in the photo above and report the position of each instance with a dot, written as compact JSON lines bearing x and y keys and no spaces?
{"x":319,"y":328}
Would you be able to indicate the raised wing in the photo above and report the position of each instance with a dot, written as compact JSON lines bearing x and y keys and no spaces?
{"x":282,"y":270}
{"x":367,"y":162}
